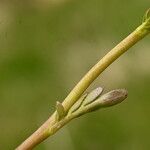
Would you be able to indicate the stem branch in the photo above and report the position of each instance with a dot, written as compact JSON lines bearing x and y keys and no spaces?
{"x":52,"y":125}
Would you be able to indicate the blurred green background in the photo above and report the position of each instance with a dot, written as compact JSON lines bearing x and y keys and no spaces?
{"x":46,"y":46}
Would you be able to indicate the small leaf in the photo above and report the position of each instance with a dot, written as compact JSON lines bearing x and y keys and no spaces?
{"x":77,"y":105}
{"x":93,"y":95}
{"x":147,"y":15}
{"x":60,"y":110}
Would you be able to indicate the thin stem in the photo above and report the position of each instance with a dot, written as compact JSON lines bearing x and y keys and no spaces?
{"x":46,"y":129}
{"x":110,"y":57}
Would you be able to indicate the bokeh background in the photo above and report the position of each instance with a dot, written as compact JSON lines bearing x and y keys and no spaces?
{"x":46,"y":46}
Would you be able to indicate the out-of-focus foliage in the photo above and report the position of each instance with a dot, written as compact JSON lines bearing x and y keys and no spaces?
{"x":46,"y":46}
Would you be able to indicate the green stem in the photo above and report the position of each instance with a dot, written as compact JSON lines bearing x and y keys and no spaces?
{"x":52,"y":124}
{"x":110,"y":57}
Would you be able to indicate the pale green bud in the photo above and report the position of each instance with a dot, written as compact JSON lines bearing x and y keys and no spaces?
{"x":94,"y":94}
{"x":60,"y":111}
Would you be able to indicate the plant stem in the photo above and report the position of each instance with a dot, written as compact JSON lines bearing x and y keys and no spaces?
{"x":52,"y":125}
